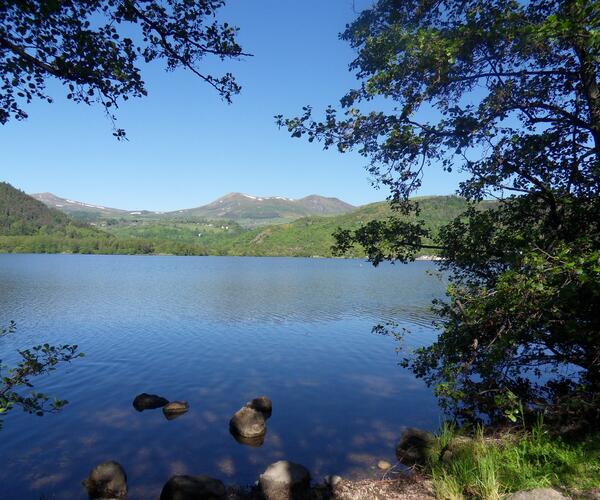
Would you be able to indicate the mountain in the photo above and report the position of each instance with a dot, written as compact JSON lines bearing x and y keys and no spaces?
{"x":78,"y":209}
{"x":21,"y":214}
{"x":251,"y":211}
{"x":247,"y":210}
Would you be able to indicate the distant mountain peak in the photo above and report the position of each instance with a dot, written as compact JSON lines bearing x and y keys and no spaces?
{"x":251,"y":197}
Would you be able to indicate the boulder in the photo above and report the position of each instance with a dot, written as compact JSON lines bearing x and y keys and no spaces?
{"x":537,"y":494}
{"x":148,"y":402}
{"x":285,"y":480}
{"x":193,"y":488}
{"x":414,"y":447}
{"x":175,"y":409}
{"x":248,"y":423}
{"x":262,"y":404}
{"x":107,"y":480}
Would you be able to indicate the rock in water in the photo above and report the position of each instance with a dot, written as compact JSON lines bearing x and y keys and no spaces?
{"x":285,"y":480}
{"x":333,"y":481}
{"x":107,"y":480}
{"x":414,"y":446}
{"x":537,"y":494}
{"x":384,"y":465}
{"x":175,"y":409}
{"x":148,"y":402}
{"x":193,"y":488}
{"x":262,"y":404}
{"x":248,"y":423}
{"x":255,"y":442}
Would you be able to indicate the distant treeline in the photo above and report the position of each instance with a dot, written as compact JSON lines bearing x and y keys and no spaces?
{"x":47,"y":243}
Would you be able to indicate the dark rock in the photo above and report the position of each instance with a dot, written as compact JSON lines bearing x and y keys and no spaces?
{"x":262,"y":404}
{"x":537,"y":494}
{"x":285,"y":480}
{"x":414,"y":446}
{"x":193,"y":488}
{"x":107,"y":480}
{"x":248,"y":423}
{"x":148,"y":402}
{"x":175,"y":409}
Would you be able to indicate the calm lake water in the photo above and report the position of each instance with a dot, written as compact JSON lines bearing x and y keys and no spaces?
{"x":215,"y":331}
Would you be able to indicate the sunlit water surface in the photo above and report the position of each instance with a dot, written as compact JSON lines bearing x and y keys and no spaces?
{"x":215,"y":331}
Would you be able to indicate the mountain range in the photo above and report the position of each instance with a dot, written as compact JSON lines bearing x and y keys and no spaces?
{"x":244,"y":209}
{"x":233,"y":225}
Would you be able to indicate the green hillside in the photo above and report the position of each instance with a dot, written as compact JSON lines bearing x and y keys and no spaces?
{"x":313,"y":236}
{"x":306,"y":237}
{"x":20,"y":214}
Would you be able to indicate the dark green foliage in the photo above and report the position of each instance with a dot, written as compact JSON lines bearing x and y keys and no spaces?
{"x":95,"y":47}
{"x":508,"y":93}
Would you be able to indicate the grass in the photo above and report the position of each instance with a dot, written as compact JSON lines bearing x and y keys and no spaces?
{"x":488,"y":468}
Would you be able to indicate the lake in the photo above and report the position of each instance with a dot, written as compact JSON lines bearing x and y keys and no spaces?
{"x":215,"y":331}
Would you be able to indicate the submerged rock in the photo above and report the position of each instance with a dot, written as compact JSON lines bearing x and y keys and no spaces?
{"x":384,"y":465}
{"x":193,"y":488}
{"x":262,"y":404}
{"x":175,"y":409}
{"x":285,"y":480}
{"x":254,"y":442}
{"x":537,"y":494}
{"x":107,"y":480}
{"x":414,"y":447}
{"x":149,"y":402}
{"x":333,"y":481}
{"x":248,"y":422}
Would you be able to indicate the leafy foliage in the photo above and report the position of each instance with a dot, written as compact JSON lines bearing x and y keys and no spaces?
{"x":38,"y":360}
{"x":506,"y":92}
{"x":94,"y":48}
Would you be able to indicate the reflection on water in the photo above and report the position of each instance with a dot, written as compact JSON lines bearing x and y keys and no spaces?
{"x":215,"y":332}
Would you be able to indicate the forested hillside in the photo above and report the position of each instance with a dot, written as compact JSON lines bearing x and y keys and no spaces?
{"x":20,"y":214}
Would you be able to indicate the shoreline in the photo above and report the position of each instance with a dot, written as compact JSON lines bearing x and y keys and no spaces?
{"x":421,"y":258}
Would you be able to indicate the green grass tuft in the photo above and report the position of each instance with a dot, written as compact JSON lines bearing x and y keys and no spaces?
{"x":490,"y":468}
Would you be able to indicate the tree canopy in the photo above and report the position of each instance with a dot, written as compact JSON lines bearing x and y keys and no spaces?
{"x":506,"y":92}
{"x":94,"y":48}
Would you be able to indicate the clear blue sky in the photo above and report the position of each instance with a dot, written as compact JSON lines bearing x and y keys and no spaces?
{"x":186,"y":147}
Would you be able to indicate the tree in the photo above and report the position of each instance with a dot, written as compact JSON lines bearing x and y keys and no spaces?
{"x":506,"y":91}
{"x":94,"y":47}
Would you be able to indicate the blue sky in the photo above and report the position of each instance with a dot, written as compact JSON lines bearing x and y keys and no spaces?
{"x":187,"y":147}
